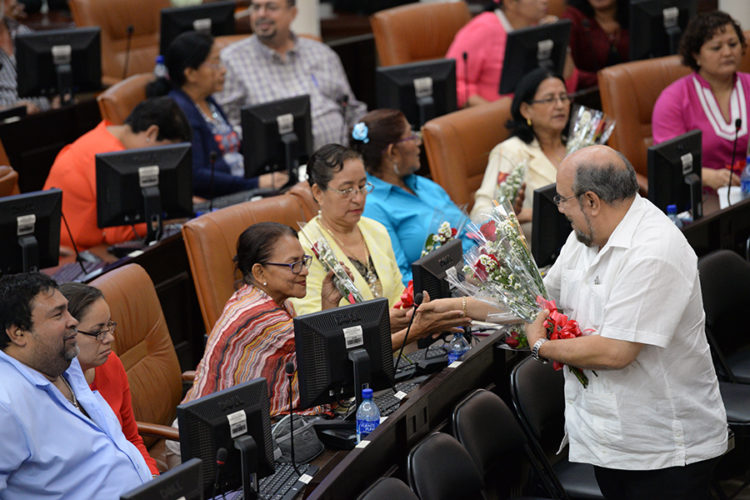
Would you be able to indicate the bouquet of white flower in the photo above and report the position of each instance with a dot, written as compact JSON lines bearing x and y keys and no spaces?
{"x":588,"y":127}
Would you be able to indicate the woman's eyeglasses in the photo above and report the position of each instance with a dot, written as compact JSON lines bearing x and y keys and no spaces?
{"x":350,"y":192}
{"x":295,"y":267}
{"x":416,"y":135}
{"x":563,"y":98}
{"x":101,"y":334}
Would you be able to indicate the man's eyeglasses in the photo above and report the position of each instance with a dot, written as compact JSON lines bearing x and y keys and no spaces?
{"x":563,"y":98}
{"x":101,"y":334}
{"x":559,"y":199}
{"x":350,"y":192}
{"x":295,"y":267}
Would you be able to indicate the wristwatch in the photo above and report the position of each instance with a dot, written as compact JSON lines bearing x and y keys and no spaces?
{"x":535,"y":350}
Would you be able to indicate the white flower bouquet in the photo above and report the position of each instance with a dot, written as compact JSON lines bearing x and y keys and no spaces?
{"x":588,"y":127}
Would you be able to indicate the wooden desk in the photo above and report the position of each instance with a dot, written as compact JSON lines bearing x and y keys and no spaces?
{"x":428,"y":408}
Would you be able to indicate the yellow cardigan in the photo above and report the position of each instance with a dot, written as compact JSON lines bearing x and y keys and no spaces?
{"x":378,"y":243}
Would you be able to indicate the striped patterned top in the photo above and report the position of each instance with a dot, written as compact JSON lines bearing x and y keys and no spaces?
{"x":8,"y":94}
{"x":254,"y":337}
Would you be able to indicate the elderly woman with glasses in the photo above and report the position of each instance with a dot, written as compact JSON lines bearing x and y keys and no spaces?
{"x":539,"y":116}
{"x":254,"y":336}
{"x":340,"y":185}
{"x":101,"y":366}
{"x":408,"y":205}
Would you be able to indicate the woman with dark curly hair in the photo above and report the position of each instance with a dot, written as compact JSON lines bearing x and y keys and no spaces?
{"x":714,"y":98}
{"x":539,"y":116}
{"x":598,"y":36}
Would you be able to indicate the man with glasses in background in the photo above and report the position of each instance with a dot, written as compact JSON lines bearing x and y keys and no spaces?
{"x":59,"y":439}
{"x":274,"y":63}
{"x":651,"y":419}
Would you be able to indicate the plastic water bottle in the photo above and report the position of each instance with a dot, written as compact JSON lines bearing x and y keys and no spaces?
{"x":459,"y":347}
{"x":160,"y":70}
{"x":672,"y":214}
{"x":745,"y":180}
{"x":368,"y":415}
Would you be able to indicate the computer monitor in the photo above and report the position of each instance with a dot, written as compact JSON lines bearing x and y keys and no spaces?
{"x":674,"y":174}
{"x":30,"y":231}
{"x":59,"y":62}
{"x":183,"y":482}
{"x":277,"y":136}
{"x":660,"y":25}
{"x":429,"y":271}
{"x":549,"y":228}
{"x":421,"y":90}
{"x":339,"y":350}
{"x":235,"y":419}
{"x":215,"y":18}
{"x":144,"y":185}
{"x":542,"y":46}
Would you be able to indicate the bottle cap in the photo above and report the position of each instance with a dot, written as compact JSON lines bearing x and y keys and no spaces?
{"x":367,"y":393}
{"x":671,"y":209}
{"x":160,"y":59}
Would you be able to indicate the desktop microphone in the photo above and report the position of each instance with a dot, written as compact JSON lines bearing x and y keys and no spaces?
{"x":417,"y":301}
{"x":289,"y":368}
{"x":221,"y":458}
{"x":343,"y":102}
{"x":130,"y":30}
{"x":75,"y":247}
{"x":737,"y":126}
{"x":465,"y":56}
{"x":212,"y":160}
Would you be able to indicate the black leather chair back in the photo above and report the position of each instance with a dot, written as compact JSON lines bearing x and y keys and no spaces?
{"x":439,"y":468}
{"x":388,"y":488}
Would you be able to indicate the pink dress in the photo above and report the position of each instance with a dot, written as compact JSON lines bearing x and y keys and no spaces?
{"x":483,"y":39}
{"x":689,"y":104}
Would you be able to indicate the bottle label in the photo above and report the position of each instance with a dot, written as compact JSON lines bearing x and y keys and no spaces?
{"x":745,"y":187}
{"x":455,"y":356}
{"x":364,"y":427}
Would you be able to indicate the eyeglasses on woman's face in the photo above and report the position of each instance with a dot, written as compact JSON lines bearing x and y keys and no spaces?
{"x":295,"y":267}
{"x":351,"y":192}
{"x":101,"y":334}
{"x":563,"y":98}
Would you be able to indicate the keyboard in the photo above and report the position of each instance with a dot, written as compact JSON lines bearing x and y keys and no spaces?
{"x":388,"y":402}
{"x":228,"y":200}
{"x":73,"y":272}
{"x":284,"y":484}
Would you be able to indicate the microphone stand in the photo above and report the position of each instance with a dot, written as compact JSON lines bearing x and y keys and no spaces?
{"x":417,"y":301}
{"x":737,"y":126}
{"x":127,"y":51}
{"x":212,"y":160}
{"x":289,"y":368}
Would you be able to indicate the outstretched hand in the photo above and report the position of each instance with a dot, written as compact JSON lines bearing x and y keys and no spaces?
{"x":430,"y":320}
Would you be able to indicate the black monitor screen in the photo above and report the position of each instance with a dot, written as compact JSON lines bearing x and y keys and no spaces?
{"x":58,"y":62}
{"x":674,"y":173}
{"x":140,"y":185}
{"x":421,"y":90}
{"x":542,"y":46}
{"x":330,"y":344}
{"x":549,"y":228}
{"x":277,"y":136}
{"x":429,"y":271}
{"x":30,"y":231}
{"x":222,"y":420}
{"x":215,"y":18}
{"x":660,"y":25}
{"x":179,"y":483}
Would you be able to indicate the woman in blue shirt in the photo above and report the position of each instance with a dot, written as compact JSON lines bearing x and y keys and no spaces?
{"x":410,"y":206}
{"x":195,"y":73}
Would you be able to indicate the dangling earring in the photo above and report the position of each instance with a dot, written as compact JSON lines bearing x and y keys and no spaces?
{"x":395,"y":169}
{"x":265,"y":283}
{"x":528,"y":122}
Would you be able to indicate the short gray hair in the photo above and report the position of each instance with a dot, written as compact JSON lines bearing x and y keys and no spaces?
{"x":609,"y":182}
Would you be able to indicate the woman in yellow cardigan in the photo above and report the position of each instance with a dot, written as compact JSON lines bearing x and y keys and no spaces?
{"x":339,"y":184}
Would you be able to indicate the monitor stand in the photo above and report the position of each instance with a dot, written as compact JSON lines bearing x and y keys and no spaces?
{"x":249,"y":460}
{"x":291,"y":144}
{"x":61,"y":56}
{"x":696,"y":195}
{"x":426,"y":106}
{"x":29,"y":253}
{"x":152,"y":212}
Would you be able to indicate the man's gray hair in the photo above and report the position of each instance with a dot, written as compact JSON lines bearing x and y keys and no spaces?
{"x":610,"y":182}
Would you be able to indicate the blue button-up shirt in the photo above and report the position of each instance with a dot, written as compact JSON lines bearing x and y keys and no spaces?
{"x":49,"y":449}
{"x":410,"y":218}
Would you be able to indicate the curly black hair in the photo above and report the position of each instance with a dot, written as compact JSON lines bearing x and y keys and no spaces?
{"x":701,"y":29}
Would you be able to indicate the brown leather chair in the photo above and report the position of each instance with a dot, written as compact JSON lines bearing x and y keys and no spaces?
{"x":8,"y":181}
{"x":418,"y":31}
{"x":114,"y":17}
{"x":629,"y":92}
{"x":211,"y":243}
{"x":458,"y":146}
{"x":116,"y":103}
{"x":143,"y":343}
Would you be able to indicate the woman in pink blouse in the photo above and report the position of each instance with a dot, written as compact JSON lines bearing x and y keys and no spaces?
{"x":713,"y":99}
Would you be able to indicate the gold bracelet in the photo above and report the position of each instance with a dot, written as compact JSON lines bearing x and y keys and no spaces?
{"x":463,"y":304}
